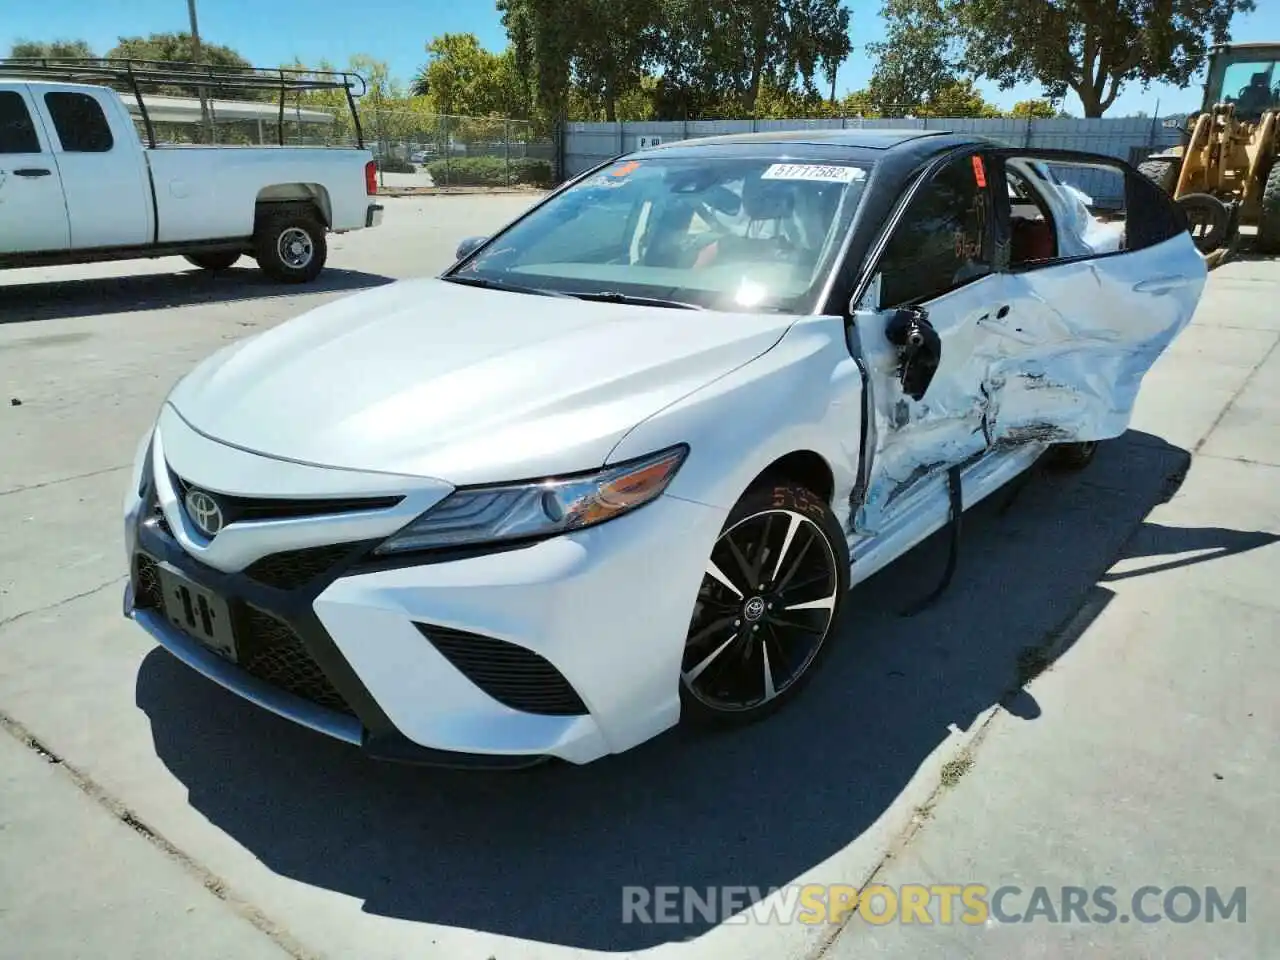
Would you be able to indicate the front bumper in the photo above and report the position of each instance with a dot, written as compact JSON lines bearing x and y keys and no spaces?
{"x":568,"y":648}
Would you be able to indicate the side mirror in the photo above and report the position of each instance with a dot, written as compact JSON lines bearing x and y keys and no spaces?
{"x":469,"y":246}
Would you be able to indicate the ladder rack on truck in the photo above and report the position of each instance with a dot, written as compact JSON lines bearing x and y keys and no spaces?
{"x":133,"y":75}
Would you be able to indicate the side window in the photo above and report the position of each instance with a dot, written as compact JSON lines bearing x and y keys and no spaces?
{"x":1065,"y":209}
{"x":944,"y":239}
{"x":17,"y":131}
{"x":81,"y":125}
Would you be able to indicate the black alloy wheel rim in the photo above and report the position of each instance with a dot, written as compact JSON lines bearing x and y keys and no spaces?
{"x":764,"y":609}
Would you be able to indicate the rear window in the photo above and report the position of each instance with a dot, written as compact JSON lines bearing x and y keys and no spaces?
{"x":81,"y":125}
{"x":17,"y":132}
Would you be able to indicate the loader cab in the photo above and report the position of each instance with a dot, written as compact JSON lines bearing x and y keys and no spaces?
{"x":1246,"y":76}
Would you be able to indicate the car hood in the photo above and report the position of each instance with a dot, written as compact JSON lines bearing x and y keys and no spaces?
{"x":435,"y":379}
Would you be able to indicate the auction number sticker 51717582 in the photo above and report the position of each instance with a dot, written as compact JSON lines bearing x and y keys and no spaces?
{"x":814,"y":171}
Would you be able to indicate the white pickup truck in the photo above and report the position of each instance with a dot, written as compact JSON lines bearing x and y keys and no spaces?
{"x":77,"y":184}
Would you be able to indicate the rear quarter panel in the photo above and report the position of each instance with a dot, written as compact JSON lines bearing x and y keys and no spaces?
{"x":208,"y":193}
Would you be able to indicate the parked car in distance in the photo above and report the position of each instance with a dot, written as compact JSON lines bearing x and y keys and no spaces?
{"x":78,"y":185}
{"x":621,"y":463}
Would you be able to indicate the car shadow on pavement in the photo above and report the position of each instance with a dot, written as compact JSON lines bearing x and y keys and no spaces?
{"x":61,"y":299}
{"x":544,"y":854}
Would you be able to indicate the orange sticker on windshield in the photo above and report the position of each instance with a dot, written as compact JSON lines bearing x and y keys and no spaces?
{"x":979,"y":173}
{"x":622,"y":171}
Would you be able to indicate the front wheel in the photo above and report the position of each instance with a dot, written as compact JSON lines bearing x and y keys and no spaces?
{"x":290,"y":245}
{"x":1073,"y":456}
{"x":769,"y":600}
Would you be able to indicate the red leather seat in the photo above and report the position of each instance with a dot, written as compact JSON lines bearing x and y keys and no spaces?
{"x":1032,"y":240}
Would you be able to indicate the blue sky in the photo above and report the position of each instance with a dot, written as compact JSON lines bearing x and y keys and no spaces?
{"x":271,"y":33}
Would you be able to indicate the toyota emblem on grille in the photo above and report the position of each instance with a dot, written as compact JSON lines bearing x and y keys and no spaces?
{"x":204,"y":512}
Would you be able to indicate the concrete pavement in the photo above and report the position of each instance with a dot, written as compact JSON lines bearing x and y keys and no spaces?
{"x":1102,"y":770}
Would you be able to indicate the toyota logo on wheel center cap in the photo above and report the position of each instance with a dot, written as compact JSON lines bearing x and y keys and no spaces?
{"x":754,"y":609}
{"x":204,"y":512}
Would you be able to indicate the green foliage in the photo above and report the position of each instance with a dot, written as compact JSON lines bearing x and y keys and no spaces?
{"x":915,"y":63}
{"x":490,"y":172}
{"x":178,"y":48}
{"x":464,"y":79}
{"x":1033,"y":110}
{"x":22,"y":49}
{"x":1089,"y":47}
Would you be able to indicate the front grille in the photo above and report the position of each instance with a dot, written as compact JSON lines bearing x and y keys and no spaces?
{"x":236,"y":509}
{"x":511,"y":674}
{"x":296,"y":568}
{"x":267,"y":648}
{"x":272,"y":651}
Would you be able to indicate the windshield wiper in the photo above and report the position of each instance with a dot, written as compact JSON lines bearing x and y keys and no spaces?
{"x":486,"y":284}
{"x":611,"y":296}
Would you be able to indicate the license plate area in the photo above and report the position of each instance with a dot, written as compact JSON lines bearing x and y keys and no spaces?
{"x":197,"y":612}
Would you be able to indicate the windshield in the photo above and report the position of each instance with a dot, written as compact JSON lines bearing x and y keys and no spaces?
{"x":1251,"y":82}
{"x":727,"y":234}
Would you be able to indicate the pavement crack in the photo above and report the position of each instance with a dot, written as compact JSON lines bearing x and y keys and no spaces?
{"x":65,"y":600}
{"x":51,"y":483}
{"x":1227,"y":407}
{"x":209,"y":880}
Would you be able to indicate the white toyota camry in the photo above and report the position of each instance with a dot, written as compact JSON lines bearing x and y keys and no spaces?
{"x":621,"y":463}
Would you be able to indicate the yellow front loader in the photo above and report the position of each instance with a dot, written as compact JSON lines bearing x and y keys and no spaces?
{"x":1224,"y":174}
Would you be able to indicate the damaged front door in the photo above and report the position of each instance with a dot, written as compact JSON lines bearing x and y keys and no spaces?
{"x":1102,"y":277}
{"x":919,"y":332}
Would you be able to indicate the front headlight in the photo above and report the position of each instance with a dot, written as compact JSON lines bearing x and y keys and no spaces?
{"x":540,"y":508}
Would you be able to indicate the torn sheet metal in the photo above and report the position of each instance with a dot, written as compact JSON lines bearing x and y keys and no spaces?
{"x":1051,"y":355}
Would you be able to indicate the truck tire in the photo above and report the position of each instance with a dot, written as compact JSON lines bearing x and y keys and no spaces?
{"x":289,"y":245}
{"x":212,"y":261}
{"x":1162,"y":171}
{"x":1269,"y":216}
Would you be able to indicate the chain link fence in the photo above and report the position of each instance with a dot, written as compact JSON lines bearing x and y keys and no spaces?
{"x":414,"y":150}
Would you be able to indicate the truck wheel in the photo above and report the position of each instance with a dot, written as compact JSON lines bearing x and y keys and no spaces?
{"x":1269,"y":216}
{"x":212,"y":261}
{"x":290,"y":245}
{"x":1162,"y":171}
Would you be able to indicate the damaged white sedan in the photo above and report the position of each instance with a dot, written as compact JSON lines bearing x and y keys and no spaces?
{"x":621,"y":463}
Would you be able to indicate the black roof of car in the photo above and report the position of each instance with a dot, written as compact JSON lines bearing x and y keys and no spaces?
{"x":873,"y":147}
{"x":866,"y":139}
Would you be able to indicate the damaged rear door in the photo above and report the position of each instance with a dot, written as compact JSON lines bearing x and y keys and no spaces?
{"x":1102,"y":276}
{"x":919,"y":332}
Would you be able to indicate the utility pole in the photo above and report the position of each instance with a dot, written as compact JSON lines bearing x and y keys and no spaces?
{"x":195,"y":49}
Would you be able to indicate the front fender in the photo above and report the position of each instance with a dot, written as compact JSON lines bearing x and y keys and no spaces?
{"x":803,"y":395}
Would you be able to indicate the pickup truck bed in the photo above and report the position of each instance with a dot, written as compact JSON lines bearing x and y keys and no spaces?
{"x":78,"y":185}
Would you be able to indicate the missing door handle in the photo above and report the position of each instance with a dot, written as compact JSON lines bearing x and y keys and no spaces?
{"x":1002,"y":312}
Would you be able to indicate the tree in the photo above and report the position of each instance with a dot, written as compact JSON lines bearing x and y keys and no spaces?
{"x":1033,"y":110}
{"x":914,"y":62}
{"x":178,"y":48}
{"x":1090,"y":47}
{"x":735,"y":47}
{"x":544,"y":34}
{"x":958,"y":99}
{"x":22,"y":49}
{"x":464,"y":79}
{"x":615,"y":44}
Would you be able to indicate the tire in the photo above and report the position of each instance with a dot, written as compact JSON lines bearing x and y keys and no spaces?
{"x":212,"y":261}
{"x":1161,"y":171}
{"x":1269,"y":216}
{"x":290,"y":245}
{"x":792,"y":536}
{"x":1073,"y":456}
{"x":1209,"y":210}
